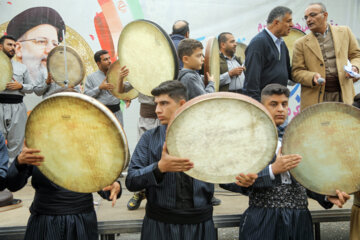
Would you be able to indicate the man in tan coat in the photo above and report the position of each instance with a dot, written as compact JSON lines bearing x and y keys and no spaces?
{"x":323,"y":53}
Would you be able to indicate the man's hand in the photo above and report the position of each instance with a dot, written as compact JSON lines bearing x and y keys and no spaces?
{"x":340,"y":199}
{"x":15,"y":85}
{"x":210,"y":78}
{"x":246,"y":180}
{"x":105,"y":85}
{"x":29,"y":156}
{"x":169,"y":163}
{"x":316,"y":78}
{"x":285,"y":163}
{"x":123,"y":73}
{"x":354,"y":69}
{"x":236,"y":71}
{"x":49,"y":79}
{"x":114,"y":191}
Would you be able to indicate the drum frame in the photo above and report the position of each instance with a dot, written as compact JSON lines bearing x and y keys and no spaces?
{"x":207,"y":63}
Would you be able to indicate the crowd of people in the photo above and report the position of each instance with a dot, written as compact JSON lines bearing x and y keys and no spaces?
{"x":179,"y":206}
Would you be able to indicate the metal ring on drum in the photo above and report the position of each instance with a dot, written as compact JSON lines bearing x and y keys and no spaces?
{"x":224,"y":134}
{"x":149,"y":54}
{"x":84,"y":145}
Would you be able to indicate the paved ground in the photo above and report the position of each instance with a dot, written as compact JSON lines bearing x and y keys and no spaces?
{"x":231,"y":204}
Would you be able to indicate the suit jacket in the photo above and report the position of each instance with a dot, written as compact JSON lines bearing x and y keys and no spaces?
{"x":308,"y":60}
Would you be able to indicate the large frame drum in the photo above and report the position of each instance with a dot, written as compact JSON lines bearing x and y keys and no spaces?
{"x":149,"y":54}
{"x":212,"y":62}
{"x":327,"y":137}
{"x":84,"y":146}
{"x":56,"y":66}
{"x":6,"y":70}
{"x":113,"y":78}
{"x":224,"y":134}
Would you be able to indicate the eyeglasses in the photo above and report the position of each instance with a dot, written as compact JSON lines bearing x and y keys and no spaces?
{"x":312,"y":15}
{"x":42,"y":42}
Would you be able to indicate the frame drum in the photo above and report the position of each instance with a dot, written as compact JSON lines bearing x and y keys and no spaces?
{"x":240,"y":51}
{"x":224,"y":134}
{"x":84,"y":146}
{"x":113,"y":77}
{"x":327,"y":137}
{"x":6,"y":70}
{"x":212,"y":62}
{"x":56,"y":66}
{"x":149,"y":54}
{"x":290,"y":40}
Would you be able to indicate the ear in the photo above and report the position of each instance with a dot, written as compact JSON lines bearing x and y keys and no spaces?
{"x":18,"y":50}
{"x":185,"y":59}
{"x":182,"y":102}
{"x":187,"y":34}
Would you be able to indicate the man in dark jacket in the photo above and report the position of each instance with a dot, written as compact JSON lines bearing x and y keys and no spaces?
{"x":180,"y":32}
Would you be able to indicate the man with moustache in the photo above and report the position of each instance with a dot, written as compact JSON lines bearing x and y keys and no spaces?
{"x":37,"y":31}
{"x":231,"y":78}
{"x":96,"y":85}
{"x":267,"y":57}
{"x":323,"y":53}
{"x":12,"y":109}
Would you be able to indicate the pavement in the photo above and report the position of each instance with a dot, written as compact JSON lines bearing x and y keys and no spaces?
{"x":232,"y":203}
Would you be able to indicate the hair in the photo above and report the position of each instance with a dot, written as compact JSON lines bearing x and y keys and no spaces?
{"x":323,"y":7}
{"x":356,"y":102}
{"x":278,"y":13}
{"x":174,"y":89}
{"x":182,"y":30}
{"x":187,"y":47}
{"x":98,"y":54}
{"x":2,"y":39}
{"x":274,"y":89}
{"x":222,"y":37}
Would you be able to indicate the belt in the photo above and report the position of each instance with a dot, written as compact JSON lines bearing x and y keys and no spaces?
{"x":147,"y":110}
{"x":179,"y":216}
{"x":114,"y":108}
{"x":332,"y":84}
{"x":11,"y":98}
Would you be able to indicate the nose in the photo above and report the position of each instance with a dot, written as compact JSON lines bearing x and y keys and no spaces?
{"x":157,"y":109}
{"x":291,"y":24}
{"x":48,"y":48}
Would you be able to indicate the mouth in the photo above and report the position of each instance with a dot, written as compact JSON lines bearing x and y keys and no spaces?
{"x":310,"y":24}
{"x":280,"y":117}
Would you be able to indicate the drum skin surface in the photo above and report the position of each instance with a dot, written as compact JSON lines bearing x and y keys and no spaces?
{"x":113,"y":78}
{"x":212,"y":62}
{"x":290,"y":39}
{"x":149,"y":54}
{"x":84,"y":146}
{"x":6,"y":70}
{"x":327,"y":137}
{"x":56,"y":66}
{"x":224,"y":134}
{"x":240,"y":51}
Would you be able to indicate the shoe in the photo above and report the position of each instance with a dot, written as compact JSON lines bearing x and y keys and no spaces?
{"x":135,"y":201}
{"x":215,"y":201}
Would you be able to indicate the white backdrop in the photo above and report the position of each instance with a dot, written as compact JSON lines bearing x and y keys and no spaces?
{"x":244,"y":18}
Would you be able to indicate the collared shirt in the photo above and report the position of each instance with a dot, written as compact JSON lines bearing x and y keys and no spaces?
{"x":276,"y":40}
{"x":235,"y":82}
{"x":92,"y":84}
{"x":20,"y":74}
{"x":325,"y":33}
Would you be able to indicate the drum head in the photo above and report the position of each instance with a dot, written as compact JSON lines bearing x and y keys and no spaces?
{"x":56,"y":66}
{"x":290,"y":39}
{"x":212,"y":61}
{"x":327,"y":137}
{"x":240,"y":51}
{"x":113,"y":78}
{"x":6,"y":70}
{"x":84,"y":146}
{"x":224,"y":134}
{"x":149,"y":54}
